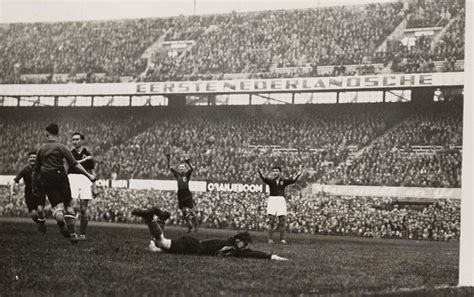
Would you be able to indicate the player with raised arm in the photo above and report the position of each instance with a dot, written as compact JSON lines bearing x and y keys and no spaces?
{"x":34,"y":201}
{"x":185,"y":198}
{"x":50,"y":172}
{"x":235,"y":246}
{"x":276,"y":203}
{"x":81,"y":186}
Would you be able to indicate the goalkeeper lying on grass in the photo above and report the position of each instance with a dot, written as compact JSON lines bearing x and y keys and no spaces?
{"x":235,"y":246}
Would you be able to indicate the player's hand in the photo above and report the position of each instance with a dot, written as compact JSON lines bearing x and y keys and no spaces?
{"x":92,"y":177}
{"x":186,"y":158}
{"x":278,"y":258}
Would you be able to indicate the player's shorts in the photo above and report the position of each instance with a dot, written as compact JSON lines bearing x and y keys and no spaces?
{"x":56,"y":186}
{"x":81,"y":186}
{"x":276,"y":205}
{"x":185,"y":199}
{"x":33,"y":201}
{"x":185,"y":245}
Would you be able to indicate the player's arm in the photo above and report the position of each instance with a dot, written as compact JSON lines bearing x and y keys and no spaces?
{"x":168,"y":164}
{"x":73,"y":163}
{"x":294,"y":179}
{"x":258,"y":255}
{"x":85,"y":159}
{"x":16,"y":180}
{"x":264,"y":179}
{"x":36,"y":172}
{"x":191,"y":169}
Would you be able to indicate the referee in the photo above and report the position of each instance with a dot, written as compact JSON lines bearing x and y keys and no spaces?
{"x":50,"y":175}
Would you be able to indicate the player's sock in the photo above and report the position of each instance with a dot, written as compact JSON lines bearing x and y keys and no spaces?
{"x":195,"y":223}
{"x":70,"y":219}
{"x":282,"y":227}
{"x":34,"y":217}
{"x":41,"y":222}
{"x":84,"y":223}
{"x":62,"y":229}
{"x":283,"y":234}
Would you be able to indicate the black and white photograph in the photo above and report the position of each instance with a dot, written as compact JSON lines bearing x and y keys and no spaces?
{"x":236,"y":148}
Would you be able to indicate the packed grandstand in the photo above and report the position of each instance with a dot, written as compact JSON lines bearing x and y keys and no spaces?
{"x":413,"y":36}
{"x":398,"y":144}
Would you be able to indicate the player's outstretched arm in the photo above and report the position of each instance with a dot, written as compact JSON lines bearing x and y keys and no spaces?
{"x":168,"y":161}
{"x":84,"y":171}
{"x":298,"y":175}
{"x":278,"y":258}
{"x":191,"y":168}
{"x":264,"y":179}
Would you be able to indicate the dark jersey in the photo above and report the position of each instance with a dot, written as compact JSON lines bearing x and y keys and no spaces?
{"x":51,"y":155}
{"x":183,"y":179}
{"x":212,"y":247}
{"x":88,"y":165}
{"x":26,"y":175}
{"x":277,"y":186}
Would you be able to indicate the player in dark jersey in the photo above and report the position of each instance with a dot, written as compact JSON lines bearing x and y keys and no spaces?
{"x":34,"y":202}
{"x":54,"y":181}
{"x":235,"y":246}
{"x":81,"y":186}
{"x":276,"y":203}
{"x":185,"y":198}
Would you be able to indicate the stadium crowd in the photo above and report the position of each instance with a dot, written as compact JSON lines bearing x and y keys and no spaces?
{"x":394,"y":160}
{"x":229,"y":144}
{"x":253,"y":43}
{"x":311,"y":214}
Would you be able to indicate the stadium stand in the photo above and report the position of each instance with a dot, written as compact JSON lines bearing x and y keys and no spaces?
{"x":260,"y":44}
{"x":375,"y":217}
{"x":131,"y":142}
{"x":396,"y":159}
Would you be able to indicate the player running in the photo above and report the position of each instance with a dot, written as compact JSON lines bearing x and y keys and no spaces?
{"x":34,"y":202}
{"x":235,"y":246}
{"x":276,"y":203}
{"x":81,"y":186}
{"x":49,"y":167}
{"x":185,"y":198}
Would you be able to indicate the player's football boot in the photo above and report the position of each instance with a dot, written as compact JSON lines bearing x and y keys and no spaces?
{"x":146,"y":213}
{"x":270,"y":241}
{"x":73,"y":238}
{"x":284,"y":241}
{"x":82,"y":237}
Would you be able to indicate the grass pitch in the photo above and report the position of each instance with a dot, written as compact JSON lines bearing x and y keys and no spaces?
{"x":114,"y":262}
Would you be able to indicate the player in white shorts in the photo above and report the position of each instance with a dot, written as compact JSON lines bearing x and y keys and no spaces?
{"x":276,"y":203}
{"x":81,"y":186}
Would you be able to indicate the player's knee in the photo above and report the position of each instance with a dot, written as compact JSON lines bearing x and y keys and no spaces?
{"x":185,"y":212}
{"x":69,"y":212}
{"x":271,"y":220}
{"x":58,"y":214}
{"x":34,"y":215}
{"x":84,"y":213}
{"x":40,"y":208}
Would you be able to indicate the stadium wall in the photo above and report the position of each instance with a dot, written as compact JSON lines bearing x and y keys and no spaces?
{"x":338,"y":190}
{"x":383,"y":191}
